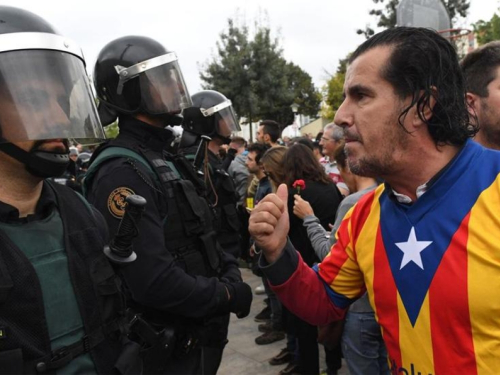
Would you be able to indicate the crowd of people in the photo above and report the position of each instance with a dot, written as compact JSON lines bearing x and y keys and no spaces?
{"x":377,"y":239}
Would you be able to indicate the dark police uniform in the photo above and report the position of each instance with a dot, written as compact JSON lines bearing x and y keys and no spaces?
{"x":61,"y":308}
{"x":222,"y":196}
{"x":175,"y":247}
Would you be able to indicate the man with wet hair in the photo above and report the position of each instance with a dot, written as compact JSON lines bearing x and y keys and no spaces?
{"x":424,"y":244}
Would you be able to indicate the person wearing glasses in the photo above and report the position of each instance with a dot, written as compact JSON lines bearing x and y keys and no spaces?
{"x":332,"y":140}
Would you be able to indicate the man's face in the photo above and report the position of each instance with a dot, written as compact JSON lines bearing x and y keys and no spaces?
{"x":50,"y":145}
{"x":488,"y":113}
{"x":329,"y":144}
{"x":375,"y":141}
{"x":32,"y":111}
{"x":261,"y":137}
{"x":252,"y":166}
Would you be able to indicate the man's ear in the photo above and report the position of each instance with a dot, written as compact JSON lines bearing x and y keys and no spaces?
{"x":472,"y":103}
{"x":425,"y":109}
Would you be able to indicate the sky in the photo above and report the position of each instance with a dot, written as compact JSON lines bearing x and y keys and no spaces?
{"x":314,"y":34}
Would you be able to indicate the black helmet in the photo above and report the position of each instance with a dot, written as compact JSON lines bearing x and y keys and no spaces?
{"x":136,"y":74}
{"x":211,"y":114}
{"x":44,"y":91}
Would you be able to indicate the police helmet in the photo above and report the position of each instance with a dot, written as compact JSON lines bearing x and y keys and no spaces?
{"x":136,"y":74}
{"x":44,"y":92}
{"x":212,"y":114}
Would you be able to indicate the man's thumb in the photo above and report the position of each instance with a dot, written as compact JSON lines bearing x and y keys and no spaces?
{"x":282,"y":193}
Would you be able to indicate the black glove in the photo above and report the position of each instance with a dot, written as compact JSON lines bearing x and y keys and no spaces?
{"x":231,"y":153}
{"x":240,"y":298}
{"x":230,"y":271}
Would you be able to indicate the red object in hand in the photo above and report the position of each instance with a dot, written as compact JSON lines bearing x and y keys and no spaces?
{"x":299,"y":185}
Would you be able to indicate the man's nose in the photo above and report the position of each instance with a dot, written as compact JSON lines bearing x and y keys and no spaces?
{"x":342,"y":117}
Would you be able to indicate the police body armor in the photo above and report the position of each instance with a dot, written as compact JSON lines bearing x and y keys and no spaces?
{"x":223,"y":198}
{"x":188,"y":220}
{"x":97,"y":292}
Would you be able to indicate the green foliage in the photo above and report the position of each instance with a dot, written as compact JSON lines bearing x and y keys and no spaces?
{"x":332,"y":94}
{"x":111,"y":131}
{"x":251,"y":71}
{"x":487,"y":31}
{"x":386,"y":16}
{"x":333,"y":90}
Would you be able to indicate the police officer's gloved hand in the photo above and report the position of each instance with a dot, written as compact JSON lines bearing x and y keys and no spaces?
{"x":230,"y":275}
{"x":240,"y":298}
{"x":231,"y":153}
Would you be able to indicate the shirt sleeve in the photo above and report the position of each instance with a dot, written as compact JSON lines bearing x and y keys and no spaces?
{"x":320,"y":294}
{"x":317,"y":235}
{"x":300,"y":289}
{"x":154,"y":279}
{"x":346,"y":204}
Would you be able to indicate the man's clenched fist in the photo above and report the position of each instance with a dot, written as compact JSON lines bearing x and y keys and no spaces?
{"x":269,"y":223}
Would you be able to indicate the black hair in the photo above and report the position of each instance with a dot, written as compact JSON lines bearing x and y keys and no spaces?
{"x":299,"y":163}
{"x":272,"y":128}
{"x":480,"y":68}
{"x":259,"y":149}
{"x":424,"y":65}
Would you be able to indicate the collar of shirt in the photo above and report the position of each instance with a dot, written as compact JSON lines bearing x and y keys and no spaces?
{"x":401,"y":198}
{"x":47,"y":200}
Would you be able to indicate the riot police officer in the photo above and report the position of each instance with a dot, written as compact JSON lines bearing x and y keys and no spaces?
{"x":182,"y":279}
{"x":61,"y":308}
{"x":212,"y":115}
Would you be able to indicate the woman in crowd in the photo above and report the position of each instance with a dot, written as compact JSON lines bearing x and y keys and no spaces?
{"x":299,"y":163}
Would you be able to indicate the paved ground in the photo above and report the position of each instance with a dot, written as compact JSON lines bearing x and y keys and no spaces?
{"x":242,"y":355}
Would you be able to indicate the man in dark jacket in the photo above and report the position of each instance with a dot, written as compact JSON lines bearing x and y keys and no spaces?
{"x":61,"y":308}
{"x":211,"y":115}
{"x":182,"y":281}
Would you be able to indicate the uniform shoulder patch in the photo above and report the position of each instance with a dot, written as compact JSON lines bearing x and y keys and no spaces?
{"x":116,"y":201}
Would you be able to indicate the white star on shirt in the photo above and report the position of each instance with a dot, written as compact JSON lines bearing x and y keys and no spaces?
{"x":412,"y":249}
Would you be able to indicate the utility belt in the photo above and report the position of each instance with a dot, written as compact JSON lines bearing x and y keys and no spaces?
{"x":160,"y":342}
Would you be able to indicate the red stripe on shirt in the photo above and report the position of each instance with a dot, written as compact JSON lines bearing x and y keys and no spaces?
{"x":453,"y":346}
{"x":304,"y":294}
{"x":360,"y":214}
{"x":331,"y":266}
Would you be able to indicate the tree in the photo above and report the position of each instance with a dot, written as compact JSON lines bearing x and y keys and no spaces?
{"x":229,"y":72}
{"x":386,"y":16}
{"x":333,"y":90}
{"x":111,"y":130}
{"x":252,"y":72}
{"x":487,"y":31}
{"x":302,"y":90}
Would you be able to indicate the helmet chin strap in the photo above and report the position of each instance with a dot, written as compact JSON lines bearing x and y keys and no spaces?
{"x":39,"y":163}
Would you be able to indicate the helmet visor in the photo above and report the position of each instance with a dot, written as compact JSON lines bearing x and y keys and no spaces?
{"x":46,"y":94}
{"x":163,"y":90}
{"x":226,"y":122}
